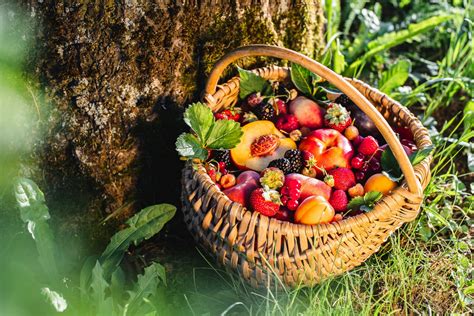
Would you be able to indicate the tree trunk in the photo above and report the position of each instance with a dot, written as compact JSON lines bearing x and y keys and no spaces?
{"x":117,"y":74}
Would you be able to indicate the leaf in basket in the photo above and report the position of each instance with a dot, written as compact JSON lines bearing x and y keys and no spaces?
{"x":395,"y":76}
{"x":189,"y":146}
{"x":199,"y":118}
{"x":390,"y":165}
{"x":251,"y":82}
{"x":302,"y":79}
{"x":365,"y":203}
{"x":225,"y":134}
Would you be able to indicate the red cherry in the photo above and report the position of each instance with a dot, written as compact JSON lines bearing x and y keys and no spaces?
{"x":294,"y":193}
{"x":357,"y":162}
{"x":360,"y":176}
{"x":284,"y":190}
{"x":292,"y":205}
{"x":374,"y":165}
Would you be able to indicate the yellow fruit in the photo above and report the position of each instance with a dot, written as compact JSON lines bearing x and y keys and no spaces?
{"x":314,"y":210}
{"x":252,"y":132}
{"x":381,"y":183}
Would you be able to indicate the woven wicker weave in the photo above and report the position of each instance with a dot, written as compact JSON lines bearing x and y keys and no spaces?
{"x":265,"y":250}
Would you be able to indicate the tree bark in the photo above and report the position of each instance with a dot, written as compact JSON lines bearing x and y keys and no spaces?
{"x":117,"y":74}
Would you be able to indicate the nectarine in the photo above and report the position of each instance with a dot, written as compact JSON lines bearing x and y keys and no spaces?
{"x":330,"y":148}
{"x":307,"y":112}
{"x":246,"y":182}
{"x":310,"y":186}
{"x":261,"y":143}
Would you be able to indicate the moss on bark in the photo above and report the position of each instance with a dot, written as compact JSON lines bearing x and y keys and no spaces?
{"x":118,"y":73}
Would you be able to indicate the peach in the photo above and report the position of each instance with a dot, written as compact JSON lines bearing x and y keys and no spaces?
{"x":330,"y":148}
{"x":307,"y":112}
{"x":311,"y":186}
{"x":255,"y":134}
{"x":381,"y":183}
{"x":246,"y":182}
{"x":314,"y":210}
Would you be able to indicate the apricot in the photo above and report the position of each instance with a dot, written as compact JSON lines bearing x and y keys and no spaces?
{"x":381,"y":183}
{"x":314,"y":210}
{"x":253,"y":153}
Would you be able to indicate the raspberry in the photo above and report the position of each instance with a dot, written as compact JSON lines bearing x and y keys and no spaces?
{"x":368,"y":146}
{"x":339,"y":200}
{"x":343,"y":178}
{"x":287,"y":123}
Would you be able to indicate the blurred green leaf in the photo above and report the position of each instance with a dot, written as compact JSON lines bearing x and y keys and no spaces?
{"x":35,"y":213}
{"x":395,"y":76}
{"x":141,"y":226}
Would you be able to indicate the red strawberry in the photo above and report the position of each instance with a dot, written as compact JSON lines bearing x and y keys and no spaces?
{"x":265,"y":202}
{"x":287,"y":122}
{"x":337,"y":117}
{"x":368,"y":146}
{"x":338,"y":200}
{"x":343,"y":178}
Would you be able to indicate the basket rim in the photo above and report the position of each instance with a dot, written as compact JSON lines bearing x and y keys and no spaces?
{"x":363,"y":218}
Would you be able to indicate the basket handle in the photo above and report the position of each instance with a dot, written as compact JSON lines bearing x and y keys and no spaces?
{"x":335,"y":79}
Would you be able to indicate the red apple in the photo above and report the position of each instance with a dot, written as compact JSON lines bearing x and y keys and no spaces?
{"x":310,"y":186}
{"x":307,"y":112}
{"x":246,"y":182}
{"x":330,"y":148}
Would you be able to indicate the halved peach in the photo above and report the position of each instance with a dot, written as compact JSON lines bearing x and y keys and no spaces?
{"x":244,"y":155}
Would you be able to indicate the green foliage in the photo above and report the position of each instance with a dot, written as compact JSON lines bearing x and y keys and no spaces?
{"x":395,"y":76}
{"x":391,"y":167}
{"x":208,"y":133}
{"x":141,"y":226}
{"x":103,"y":289}
{"x":365,"y":203}
{"x":35,"y":213}
{"x":251,"y":82}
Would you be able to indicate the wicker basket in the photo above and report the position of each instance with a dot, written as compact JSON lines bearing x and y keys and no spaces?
{"x":265,"y":250}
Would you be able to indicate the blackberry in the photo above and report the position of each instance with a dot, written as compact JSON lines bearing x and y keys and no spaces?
{"x":264,"y":111}
{"x":296,"y":160}
{"x":224,"y":156}
{"x":283,"y":164}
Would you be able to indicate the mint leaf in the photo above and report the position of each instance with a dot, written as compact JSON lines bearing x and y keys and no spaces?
{"x":419,"y":155}
{"x":302,"y":79}
{"x":225,"y":134}
{"x":250,"y":83}
{"x":189,"y":146}
{"x":199,"y":118}
{"x":365,"y":203}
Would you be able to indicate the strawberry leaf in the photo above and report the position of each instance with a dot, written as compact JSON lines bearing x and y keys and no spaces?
{"x":225,"y":134}
{"x":251,"y":82}
{"x":365,"y":203}
{"x":200,"y":119}
{"x":189,"y":146}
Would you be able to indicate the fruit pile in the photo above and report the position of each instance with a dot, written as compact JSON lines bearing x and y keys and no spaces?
{"x":294,"y":157}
